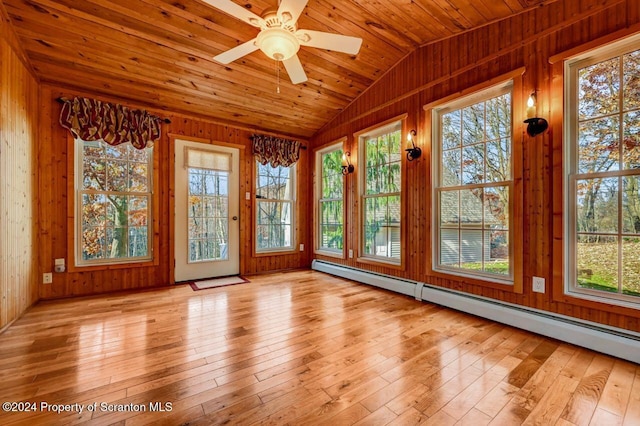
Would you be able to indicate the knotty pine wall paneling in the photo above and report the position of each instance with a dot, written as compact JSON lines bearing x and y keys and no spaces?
{"x":18,"y":180}
{"x":56,"y":201}
{"x":445,"y":68}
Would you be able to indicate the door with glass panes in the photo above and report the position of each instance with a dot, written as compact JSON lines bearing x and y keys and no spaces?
{"x":207,"y":230}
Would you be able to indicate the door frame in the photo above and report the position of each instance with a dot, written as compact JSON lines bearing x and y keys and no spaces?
{"x":172,"y":196}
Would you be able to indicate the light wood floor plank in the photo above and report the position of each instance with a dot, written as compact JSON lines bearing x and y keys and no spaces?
{"x":381,"y":416}
{"x":439,"y":419}
{"x":496,"y":399}
{"x":603,"y":417}
{"x":584,"y":400}
{"x":474,"y":418}
{"x":409,"y":417}
{"x":538,"y":386}
{"x":473,"y":394}
{"x":632,"y":416}
{"x":548,"y":410}
{"x":299,"y":348}
{"x":616,"y":393}
{"x":434,"y":401}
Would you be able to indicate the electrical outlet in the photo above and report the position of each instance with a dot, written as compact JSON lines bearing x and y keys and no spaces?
{"x":538,"y":284}
{"x":350,"y":254}
{"x":59,"y":265}
{"x":47,"y":278}
{"x":301,"y":247}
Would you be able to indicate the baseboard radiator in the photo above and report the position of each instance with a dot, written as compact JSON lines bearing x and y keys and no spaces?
{"x":613,"y":341}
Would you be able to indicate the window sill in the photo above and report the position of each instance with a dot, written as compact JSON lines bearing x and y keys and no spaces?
{"x":505,"y":285}
{"x":605,"y":298}
{"x":328,"y":253}
{"x":381,"y":262}
{"x":111,"y":266}
{"x":275,"y":252}
{"x":561,"y":295}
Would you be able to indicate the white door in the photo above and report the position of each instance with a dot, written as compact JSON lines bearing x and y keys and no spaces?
{"x":207,"y":225}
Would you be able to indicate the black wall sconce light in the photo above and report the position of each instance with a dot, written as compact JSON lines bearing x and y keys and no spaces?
{"x":413,"y":152}
{"x":347,"y":167}
{"x":535,"y":125}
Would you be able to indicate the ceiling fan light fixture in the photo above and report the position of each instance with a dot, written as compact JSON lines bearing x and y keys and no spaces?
{"x":278,"y":43}
{"x":279,"y":37}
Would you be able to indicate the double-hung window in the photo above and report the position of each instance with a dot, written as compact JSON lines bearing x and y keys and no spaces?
{"x":113,"y":203}
{"x":275,"y":208}
{"x":602,"y":172}
{"x":380,"y":188}
{"x":473,"y":186}
{"x":330,"y":200}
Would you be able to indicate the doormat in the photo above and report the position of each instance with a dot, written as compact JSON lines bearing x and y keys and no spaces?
{"x":217,"y":282}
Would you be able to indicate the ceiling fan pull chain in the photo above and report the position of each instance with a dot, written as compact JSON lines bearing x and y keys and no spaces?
{"x":277,"y":76}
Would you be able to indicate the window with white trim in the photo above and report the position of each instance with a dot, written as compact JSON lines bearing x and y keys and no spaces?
{"x":602,"y":172}
{"x":113,"y":203}
{"x":275,"y":204}
{"x":330,"y":200}
{"x":380,"y":189}
{"x":473,"y":186}
{"x":207,"y":204}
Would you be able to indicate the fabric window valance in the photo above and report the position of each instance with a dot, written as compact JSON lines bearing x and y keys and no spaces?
{"x":275,"y":151}
{"x":92,"y":120}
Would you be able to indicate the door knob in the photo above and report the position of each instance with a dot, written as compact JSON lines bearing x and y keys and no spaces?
{"x":235,"y":218}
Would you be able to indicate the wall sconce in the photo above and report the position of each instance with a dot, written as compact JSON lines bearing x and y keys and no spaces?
{"x":413,"y":152}
{"x":535,"y":125}
{"x":347,"y":167}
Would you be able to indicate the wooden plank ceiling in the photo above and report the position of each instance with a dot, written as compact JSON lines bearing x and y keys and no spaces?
{"x":158,"y":53}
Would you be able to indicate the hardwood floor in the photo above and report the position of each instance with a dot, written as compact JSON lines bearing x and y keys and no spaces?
{"x":297,"y":348}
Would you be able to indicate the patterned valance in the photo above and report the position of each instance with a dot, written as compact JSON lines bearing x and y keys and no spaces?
{"x":92,"y":120}
{"x":275,"y":151}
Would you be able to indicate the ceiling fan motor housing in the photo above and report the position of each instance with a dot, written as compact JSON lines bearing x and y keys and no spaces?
{"x":277,"y":39}
{"x":278,"y":43}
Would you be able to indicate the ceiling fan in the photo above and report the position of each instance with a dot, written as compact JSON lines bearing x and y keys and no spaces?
{"x":279,"y":37}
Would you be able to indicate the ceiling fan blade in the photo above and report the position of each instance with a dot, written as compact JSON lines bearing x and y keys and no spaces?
{"x":329,"y":41}
{"x":295,"y":70}
{"x":237,"y":11}
{"x":293,"y":8}
{"x":237,"y":52}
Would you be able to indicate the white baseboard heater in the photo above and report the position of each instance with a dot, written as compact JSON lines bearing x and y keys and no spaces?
{"x":613,"y":341}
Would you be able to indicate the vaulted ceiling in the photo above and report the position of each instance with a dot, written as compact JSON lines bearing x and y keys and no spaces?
{"x":159,"y":53}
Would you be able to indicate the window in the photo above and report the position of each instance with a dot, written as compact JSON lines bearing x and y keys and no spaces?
{"x":208,"y":204}
{"x":113,"y":202}
{"x":381,"y":183}
{"x":330,"y":196}
{"x":275,"y":196}
{"x":602,"y":172}
{"x":473,"y":186}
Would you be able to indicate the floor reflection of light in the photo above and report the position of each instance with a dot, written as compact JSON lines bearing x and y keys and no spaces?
{"x":100,"y":341}
{"x":273,"y":310}
{"x":275,"y":318}
{"x":207,"y":322}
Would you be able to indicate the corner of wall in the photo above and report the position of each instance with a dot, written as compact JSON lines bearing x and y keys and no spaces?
{"x":18,"y":184}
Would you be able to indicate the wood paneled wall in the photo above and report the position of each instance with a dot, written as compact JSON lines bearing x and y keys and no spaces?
{"x":18,"y":211}
{"x":54,"y":163}
{"x":445,"y":68}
